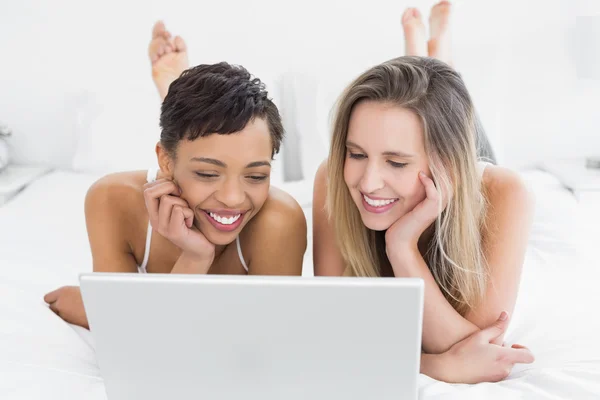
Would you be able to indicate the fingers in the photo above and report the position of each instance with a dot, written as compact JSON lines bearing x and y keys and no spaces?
{"x":180,"y":216}
{"x":496,"y":329}
{"x":430,"y":189}
{"x":168,"y":186}
{"x":188,"y":215}
{"x":165,"y":212}
{"x":518,"y":355}
{"x":161,"y":197}
{"x":152,"y":194}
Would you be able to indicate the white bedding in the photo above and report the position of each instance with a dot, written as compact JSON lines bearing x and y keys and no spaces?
{"x":43,"y":245}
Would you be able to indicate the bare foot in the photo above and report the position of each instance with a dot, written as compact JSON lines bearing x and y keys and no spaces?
{"x":414,"y":33}
{"x":440,"y":43}
{"x":168,"y":56}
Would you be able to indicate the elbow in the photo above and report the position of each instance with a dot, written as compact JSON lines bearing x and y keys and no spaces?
{"x":440,"y":346}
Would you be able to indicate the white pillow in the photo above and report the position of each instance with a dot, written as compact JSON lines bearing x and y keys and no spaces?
{"x":119,"y":132}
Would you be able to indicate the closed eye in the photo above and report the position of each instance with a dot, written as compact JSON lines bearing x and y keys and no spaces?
{"x":357,"y":156}
{"x":203,"y":175}
{"x":258,"y":178}
{"x":397,"y":164}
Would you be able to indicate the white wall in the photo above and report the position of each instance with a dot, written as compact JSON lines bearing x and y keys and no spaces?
{"x":517,"y":57}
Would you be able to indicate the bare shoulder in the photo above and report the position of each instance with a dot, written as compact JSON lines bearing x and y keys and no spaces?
{"x":321,"y":176}
{"x":320,"y":192}
{"x":505,"y":186}
{"x":280,"y":224}
{"x":280,"y":214}
{"x":117,"y":195}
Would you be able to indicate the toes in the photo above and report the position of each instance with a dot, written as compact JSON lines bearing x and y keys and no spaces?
{"x":167,"y":46}
{"x":180,"y":44}
{"x":409,"y":14}
{"x":441,"y":9}
{"x":155,"y":49}
{"x":158,"y":29}
{"x":412,"y":17}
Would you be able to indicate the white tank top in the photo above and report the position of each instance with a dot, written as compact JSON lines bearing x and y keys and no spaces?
{"x":151,"y":177}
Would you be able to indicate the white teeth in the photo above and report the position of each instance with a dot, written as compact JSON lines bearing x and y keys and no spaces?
{"x":224,"y":220}
{"x":378,"y":203}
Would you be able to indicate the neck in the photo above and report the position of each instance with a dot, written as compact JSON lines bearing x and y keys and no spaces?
{"x":218,"y":251}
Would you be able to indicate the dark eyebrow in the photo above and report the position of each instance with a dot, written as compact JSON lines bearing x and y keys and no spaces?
{"x":385,"y":153}
{"x":258,"y":164}
{"x":212,"y":161}
{"x":221,"y":164}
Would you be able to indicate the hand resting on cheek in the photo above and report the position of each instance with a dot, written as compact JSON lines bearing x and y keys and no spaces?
{"x":172,"y":217}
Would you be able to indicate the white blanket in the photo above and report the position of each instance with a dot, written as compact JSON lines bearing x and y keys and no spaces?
{"x":43,"y":245}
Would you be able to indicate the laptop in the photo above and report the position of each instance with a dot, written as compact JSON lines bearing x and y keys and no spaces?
{"x":225,"y":337}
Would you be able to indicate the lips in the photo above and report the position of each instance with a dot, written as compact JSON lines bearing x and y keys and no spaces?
{"x":225,"y":220}
{"x":377,"y":205}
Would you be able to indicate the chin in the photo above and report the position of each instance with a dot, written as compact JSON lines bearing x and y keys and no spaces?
{"x":219,"y":238}
{"x":377,"y":223}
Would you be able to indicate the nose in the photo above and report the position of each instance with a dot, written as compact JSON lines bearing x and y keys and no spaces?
{"x":231,"y":194}
{"x":371,"y":180}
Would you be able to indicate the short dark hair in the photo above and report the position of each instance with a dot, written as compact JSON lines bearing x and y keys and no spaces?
{"x":216,"y":98}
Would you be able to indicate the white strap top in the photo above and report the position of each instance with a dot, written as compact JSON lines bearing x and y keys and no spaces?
{"x":151,"y":177}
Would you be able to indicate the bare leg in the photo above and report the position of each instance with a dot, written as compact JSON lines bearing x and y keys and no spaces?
{"x":440,"y":43}
{"x":168,"y":56}
{"x":415,"y":38}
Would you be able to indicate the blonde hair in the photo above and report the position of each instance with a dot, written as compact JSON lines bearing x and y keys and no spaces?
{"x":438,"y":96}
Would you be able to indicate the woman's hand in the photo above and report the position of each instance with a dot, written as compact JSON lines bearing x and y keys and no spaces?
{"x":476,"y":359}
{"x":405,"y":233}
{"x":171,"y":217}
{"x":66,"y":302}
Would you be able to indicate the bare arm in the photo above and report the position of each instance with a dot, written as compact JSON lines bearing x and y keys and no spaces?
{"x":107,"y":227}
{"x":508,"y":223}
{"x":107,"y":224}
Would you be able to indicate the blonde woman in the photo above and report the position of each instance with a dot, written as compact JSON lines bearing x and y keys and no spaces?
{"x":405,"y":194}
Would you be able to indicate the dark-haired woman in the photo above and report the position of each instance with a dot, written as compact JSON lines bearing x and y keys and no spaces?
{"x":209,"y":207}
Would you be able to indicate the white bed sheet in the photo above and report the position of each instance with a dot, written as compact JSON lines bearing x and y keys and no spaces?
{"x":43,"y":245}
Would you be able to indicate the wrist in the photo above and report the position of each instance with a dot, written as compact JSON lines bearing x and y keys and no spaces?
{"x":192,"y":263}
{"x":402,"y":250}
{"x":404,"y":257}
